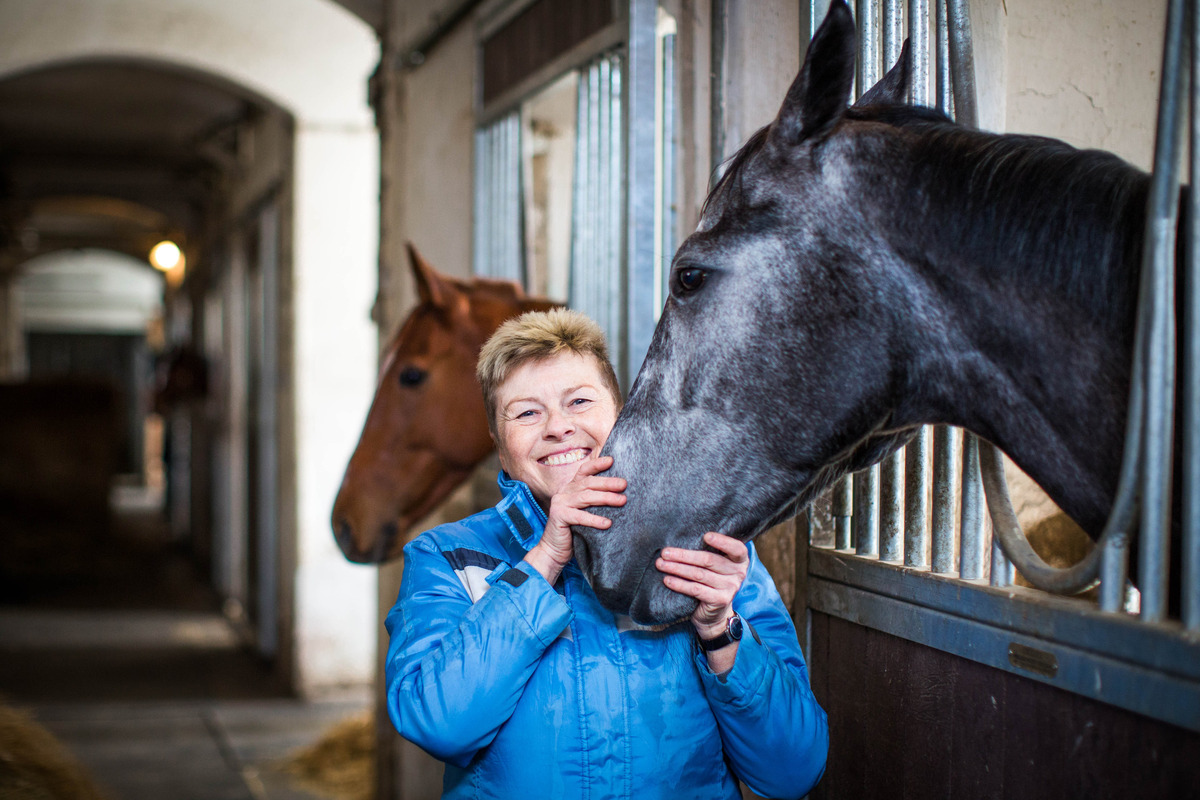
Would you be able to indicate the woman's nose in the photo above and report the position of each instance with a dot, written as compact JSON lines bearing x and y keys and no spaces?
{"x":558,"y":426}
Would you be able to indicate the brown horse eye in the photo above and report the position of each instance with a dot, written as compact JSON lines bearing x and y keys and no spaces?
{"x":411,"y":376}
{"x":690,"y":279}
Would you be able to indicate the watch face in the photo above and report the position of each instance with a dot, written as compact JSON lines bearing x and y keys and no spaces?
{"x":735,"y":627}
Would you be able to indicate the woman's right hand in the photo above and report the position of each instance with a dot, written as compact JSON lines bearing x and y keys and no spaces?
{"x":586,"y":489}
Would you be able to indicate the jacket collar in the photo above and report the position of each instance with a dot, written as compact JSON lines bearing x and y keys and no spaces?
{"x":520,"y":512}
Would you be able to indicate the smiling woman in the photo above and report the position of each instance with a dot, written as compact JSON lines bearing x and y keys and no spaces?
{"x":503,"y":663}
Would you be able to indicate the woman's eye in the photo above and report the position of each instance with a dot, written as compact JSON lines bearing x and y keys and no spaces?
{"x":690,"y":278}
{"x":411,"y":376}
{"x":578,"y":401}
{"x":526,"y":414}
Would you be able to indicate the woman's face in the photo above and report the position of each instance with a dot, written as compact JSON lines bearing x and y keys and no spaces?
{"x":551,"y":415}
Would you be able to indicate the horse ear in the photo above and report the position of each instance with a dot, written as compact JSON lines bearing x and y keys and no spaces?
{"x":821,"y":90}
{"x":431,"y":286}
{"x":892,"y":89}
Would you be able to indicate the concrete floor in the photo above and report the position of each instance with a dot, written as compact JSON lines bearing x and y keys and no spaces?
{"x":119,"y":649}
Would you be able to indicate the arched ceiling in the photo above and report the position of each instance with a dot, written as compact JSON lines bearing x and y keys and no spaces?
{"x":111,"y":153}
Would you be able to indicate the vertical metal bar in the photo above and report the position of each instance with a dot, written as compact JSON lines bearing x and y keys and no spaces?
{"x":891,"y":507}
{"x":479,"y":223}
{"x":720,"y":25}
{"x":971,"y":525}
{"x":918,"y":43}
{"x":1002,"y":568}
{"x":916,"y":503}
{"x":867,"y":17}
{"x":945,"y":491}
{"x":1191,"y":357}
{"x":640,"y":178}
{"x":893,"y":32}
{"x":943,"y":83}
{"x":866,"y":512}
{"x":667,"y":206}
{"x":641,"y":274}
{"x":1158,"y":258}
{"x":843,"y":510}
{"x":1114,"y":571}
{"x":962,"y":62}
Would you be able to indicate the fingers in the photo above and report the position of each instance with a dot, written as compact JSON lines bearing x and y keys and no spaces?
{"x":710,"y":596}
{"x":594,"y":465}
{"x":729,"y":551}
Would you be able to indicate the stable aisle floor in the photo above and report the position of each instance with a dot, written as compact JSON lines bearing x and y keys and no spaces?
{"x":119,"y":650}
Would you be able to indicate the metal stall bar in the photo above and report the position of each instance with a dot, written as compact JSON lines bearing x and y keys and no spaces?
{"x":943,"y":83}
{"x":595,"y":285}
{"x":667,"y":217}
{"x":640,"y":180}
{"x":891,"y":469}
{"x":916,"y":499}
{"x":962,"y":92}
{"x":499,"y":236}
{"x":866,"y":483}
{"x":1158,"y":263}
{"x":946,"y":441}
{"x":866,"y":16}
{"x":866,"y":512}
{"x":916,"y":502}
{"x":971,"y":522}
{"x":1190,"y":373}
{"x":843,"y":510}
{"x":945,"y":492}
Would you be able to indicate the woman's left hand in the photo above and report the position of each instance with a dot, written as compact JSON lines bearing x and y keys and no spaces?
{"x":713,"y":578}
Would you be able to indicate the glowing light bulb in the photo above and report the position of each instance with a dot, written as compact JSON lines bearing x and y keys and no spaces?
{"x":165,"y":256}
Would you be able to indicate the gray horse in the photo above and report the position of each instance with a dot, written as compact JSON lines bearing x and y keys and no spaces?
{"x":858,"y":272}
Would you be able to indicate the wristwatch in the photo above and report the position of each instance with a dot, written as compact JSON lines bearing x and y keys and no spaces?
{"x":731,"y":634}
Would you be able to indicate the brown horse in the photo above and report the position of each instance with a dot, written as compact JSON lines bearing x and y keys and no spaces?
{"x":426,"y":430}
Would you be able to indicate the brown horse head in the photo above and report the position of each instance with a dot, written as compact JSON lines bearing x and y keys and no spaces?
{"x":426,"y":429}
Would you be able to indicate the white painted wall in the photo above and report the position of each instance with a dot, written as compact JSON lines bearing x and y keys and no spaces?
{"x":313,"y":59}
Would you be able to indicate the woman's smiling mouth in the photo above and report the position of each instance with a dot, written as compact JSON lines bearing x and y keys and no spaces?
{"x":568,"y":457}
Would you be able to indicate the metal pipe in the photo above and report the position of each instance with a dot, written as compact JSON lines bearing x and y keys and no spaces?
{"x":1114,"y":571}
{"x":866,"y":512}
{"x":1002,"y":568}
{"x":1158,"y":260}
{"x":944,"y":87}
{"x":945,"y":491}
{"x":962,"y":62}
{"x":971,"y":524}
{"x":893,"y":32}
{"x":843,"y":510}
{"x":918,"y":43}
{"x":1191,"y":360}
{"x":916,"y":501}
{"x":891,"y":508}
{"x":867,"y":17}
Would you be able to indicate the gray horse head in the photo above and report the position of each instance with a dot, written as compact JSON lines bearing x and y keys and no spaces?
{"x":737,"y":419}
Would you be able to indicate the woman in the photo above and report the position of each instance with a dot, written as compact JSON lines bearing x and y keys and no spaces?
{"x":503,"y":664}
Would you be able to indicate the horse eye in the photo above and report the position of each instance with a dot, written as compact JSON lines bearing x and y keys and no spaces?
{"x":411,"y":376}
{"x":690,"y":279}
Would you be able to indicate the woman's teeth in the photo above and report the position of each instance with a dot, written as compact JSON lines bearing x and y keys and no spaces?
{"x":569,"y":457}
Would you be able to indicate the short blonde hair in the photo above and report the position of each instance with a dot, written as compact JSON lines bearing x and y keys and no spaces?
{"x":536,"y":335}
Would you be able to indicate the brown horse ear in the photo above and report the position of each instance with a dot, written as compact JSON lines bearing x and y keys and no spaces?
{"x":432,"y":287}
{"x":821,"y":91}
{"x":892,"y":89}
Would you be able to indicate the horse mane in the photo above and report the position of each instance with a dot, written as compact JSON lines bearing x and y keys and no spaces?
{"x":1070,"y":219}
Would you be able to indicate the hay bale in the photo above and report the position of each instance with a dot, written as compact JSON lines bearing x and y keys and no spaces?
{"x":35,"y":766}
{"x":341,"y":765}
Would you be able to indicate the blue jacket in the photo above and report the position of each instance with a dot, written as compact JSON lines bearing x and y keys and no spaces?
{"x":531,"y":691}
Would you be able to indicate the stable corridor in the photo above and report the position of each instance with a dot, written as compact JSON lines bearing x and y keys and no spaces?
{"x":111,"y":639}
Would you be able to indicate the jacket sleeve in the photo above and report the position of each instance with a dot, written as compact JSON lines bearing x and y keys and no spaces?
{"x":455,"y":669}
{"x":772,"y":729}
